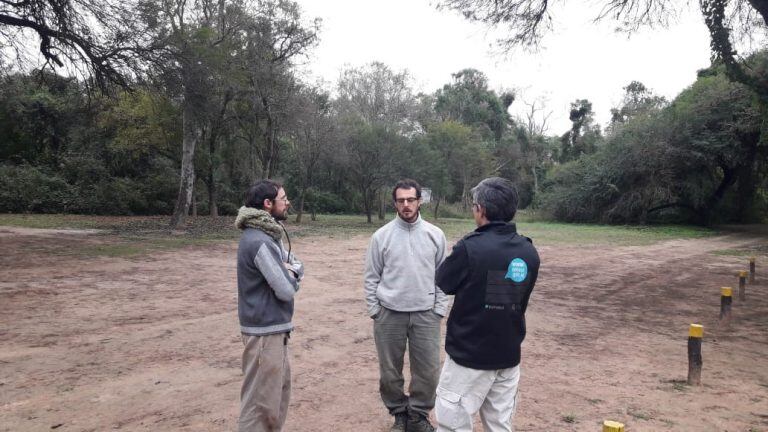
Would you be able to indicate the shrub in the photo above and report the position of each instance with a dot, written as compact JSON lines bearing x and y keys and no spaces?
{"x":25,"y":189}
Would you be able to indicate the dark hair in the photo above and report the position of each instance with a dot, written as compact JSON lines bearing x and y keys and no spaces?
{"x":261,"y":190}
{"x":406,"y":184}
{"x":498,"y":196}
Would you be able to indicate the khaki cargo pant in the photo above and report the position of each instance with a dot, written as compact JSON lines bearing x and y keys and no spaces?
{"x":266,"y":383}
{"x":463,"y":391}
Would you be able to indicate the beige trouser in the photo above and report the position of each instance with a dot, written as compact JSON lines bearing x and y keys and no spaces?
{"x":463,"y":391}
{"x":266,"y":383}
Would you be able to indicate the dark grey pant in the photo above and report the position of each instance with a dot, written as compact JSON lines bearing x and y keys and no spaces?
{"x":420,"y":331}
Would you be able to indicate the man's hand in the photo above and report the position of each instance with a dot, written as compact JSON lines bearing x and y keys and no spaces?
{"x":291,"y":271}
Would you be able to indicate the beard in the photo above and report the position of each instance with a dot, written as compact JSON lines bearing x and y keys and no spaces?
{"x":410,"y":217}
{"x":280,"y":216}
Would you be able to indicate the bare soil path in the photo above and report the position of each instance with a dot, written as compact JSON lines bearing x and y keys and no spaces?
{"x":151,"y":343}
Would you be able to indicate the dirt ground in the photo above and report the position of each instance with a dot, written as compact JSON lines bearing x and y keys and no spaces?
{"x":151,"y":342}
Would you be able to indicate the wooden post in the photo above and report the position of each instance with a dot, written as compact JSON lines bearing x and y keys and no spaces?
{"x":613,"y":426}
{"x":751,"y":270}
{"x":742,"y":285}
{"x":695,"y":334}
{"x":726,"y":299}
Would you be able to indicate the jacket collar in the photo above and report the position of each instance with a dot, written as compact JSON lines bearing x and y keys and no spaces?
{"x":407,"y":225}
{"x":500,"y":226}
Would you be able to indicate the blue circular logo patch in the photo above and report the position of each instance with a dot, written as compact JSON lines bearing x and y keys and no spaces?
{"x":517,"y":270}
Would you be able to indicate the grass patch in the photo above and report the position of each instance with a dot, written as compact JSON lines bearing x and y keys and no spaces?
{"x":348,"y":225}
{"x":744,"y":252}
{"x":49,"y":221}
{"x":132,"y":246}
{"x":554,"y":233}
{"x":568,"y":418}
{"x":546,"y":233}
{"x":153,"y":232}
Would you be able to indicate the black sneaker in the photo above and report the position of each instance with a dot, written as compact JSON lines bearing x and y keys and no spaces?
{"x":400,"y":420}
{"x":419,"y":423}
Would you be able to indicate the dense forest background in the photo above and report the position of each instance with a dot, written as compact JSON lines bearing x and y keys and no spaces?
{"x":213,"y":101}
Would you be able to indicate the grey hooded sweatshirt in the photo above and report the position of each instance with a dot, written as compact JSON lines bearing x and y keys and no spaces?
{"x":400,"y":268}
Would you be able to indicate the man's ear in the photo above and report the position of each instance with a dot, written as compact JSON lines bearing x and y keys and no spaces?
{"x":267,"y":204}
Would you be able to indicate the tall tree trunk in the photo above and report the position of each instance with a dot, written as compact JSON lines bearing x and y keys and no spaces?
{"x":437,"y":205}
{"x":269,"y":141}
{"x":216,"y":127}
{"x":367,"y":204}
{"x":382,"y":205}
{"x":465,"y":192}
{"x":746,"y":184}
{"x":300,"y":210}
{"x":212,"y":198}
{"x":535,"y":187}
{"x":187,"y":178}
{"x":705,"y":213}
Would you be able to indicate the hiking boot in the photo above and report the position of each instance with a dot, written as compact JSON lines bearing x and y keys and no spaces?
{"x":400,"y":420}
{"x":419,"y":423}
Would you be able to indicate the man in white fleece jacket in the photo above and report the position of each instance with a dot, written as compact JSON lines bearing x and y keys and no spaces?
{"x":406,"y":307}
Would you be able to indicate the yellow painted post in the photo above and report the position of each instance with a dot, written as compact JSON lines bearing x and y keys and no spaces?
{"x":726,"y":299}
{"x":751,"y":270}
{"x":695,"y":334}
{"x":613,"y":426}
{"x":742,"y":285}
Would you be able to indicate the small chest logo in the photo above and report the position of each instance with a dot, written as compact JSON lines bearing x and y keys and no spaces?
{"x":517,"y":270}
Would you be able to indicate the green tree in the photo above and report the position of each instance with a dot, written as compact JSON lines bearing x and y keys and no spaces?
{"x":368,"y":154}
{"x":376,"y":106}
{"x":637,"y":100}
{"x":696,"y":160}
{"x":526,"y":22}
{"x":445,"y":142}
{"x":468,"y":100}
{"x":310,"y":134}
{"x":38,"y":113}
{"x":584,"y":136}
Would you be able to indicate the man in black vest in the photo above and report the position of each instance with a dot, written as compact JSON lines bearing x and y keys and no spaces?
{"x":491,"y":272}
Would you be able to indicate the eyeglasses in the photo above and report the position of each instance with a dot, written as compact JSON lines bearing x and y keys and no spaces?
{"x":401,"y":201}
{"x":282,"y":199}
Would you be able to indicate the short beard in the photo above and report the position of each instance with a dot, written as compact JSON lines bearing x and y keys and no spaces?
{"x":280,"y":217}
{"x":416,"y":215}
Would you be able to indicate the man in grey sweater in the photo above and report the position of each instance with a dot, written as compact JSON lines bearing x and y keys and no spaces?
{"x":406,"y":307}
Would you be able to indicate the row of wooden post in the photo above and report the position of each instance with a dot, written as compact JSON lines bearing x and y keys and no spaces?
{"x":696,"y":331}
{"x":696,"y":334}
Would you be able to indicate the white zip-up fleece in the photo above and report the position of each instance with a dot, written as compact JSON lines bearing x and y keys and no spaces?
{"x":400,"y":268}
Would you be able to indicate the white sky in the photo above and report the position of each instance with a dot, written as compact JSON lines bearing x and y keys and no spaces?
{"x":579,"y":60}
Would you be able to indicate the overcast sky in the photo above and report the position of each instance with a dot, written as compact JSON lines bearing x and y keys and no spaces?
{"x":579,"y":59}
